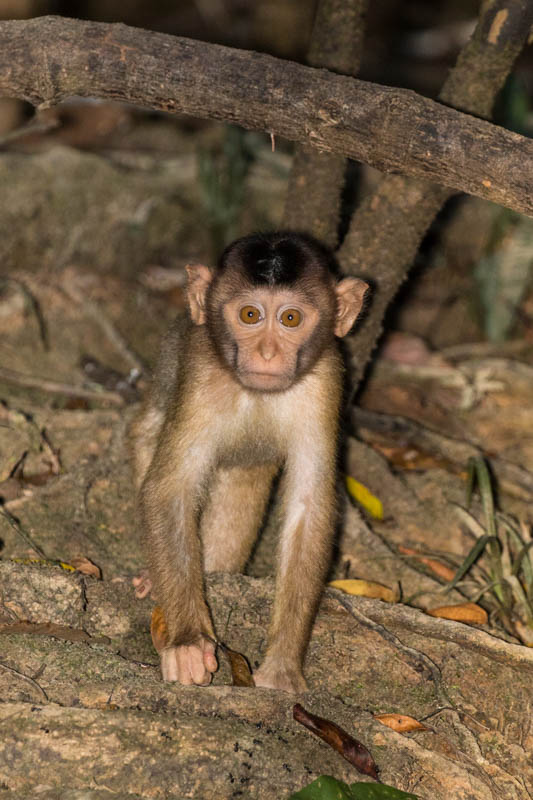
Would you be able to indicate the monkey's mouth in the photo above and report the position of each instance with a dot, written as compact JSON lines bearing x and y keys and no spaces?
{"x":265,"y":380}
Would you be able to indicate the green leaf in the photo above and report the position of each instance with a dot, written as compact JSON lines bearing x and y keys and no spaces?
{"x":325,"y":788}
{"x":378,"y":791}
{"x":328,"y":788}
{"x":471,"y":558}
{"x":477,"y":468}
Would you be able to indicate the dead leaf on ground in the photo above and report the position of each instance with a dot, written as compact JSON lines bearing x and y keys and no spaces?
{"x":363,"y":588}
{"x":86,"y":567}
{"x":337,"y":738}
{"x":241,"y":673}
{"x":400,"y":723}
{"x":410,"y":458}
{"x":440,"y":569}
{"x":463,"y":612}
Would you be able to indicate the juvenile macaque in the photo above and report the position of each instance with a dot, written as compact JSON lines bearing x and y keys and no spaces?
{"x":247,"y":386}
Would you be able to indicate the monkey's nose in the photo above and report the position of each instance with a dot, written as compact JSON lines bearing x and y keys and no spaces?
{"x":267,"y":350}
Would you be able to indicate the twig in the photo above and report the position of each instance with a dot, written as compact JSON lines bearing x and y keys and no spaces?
{"x":98,"y":315}
{"x":413,"y":620}
{"x":31,"y":128}
{"x":419,"y":661}
{"x":15,"y":524}
{"x":25,"y":678}
{"x":51,"y":387}
{"x":35,"y":306}
{"x":513,"y":478}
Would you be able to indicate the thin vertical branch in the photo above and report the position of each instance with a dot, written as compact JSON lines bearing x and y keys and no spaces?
{"x":317,"y":178}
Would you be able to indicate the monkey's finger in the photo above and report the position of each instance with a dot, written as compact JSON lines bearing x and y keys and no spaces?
{"x":169,"y":664}
{"x":142,"y":584}
{"x":191,"y":666}
{"x":210,"y":660}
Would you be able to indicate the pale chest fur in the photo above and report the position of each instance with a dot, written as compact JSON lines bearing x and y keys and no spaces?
{"x":258,"y":427}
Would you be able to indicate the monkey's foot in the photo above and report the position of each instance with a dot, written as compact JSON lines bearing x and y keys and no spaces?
{"x":287,"y":677}
{"x":142,"y":584}
{"x":189,"y":663}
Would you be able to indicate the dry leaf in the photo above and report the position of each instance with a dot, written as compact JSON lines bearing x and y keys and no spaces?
{"x":241,"y":673}
{"x":440,"y":569}
{"x":400,"y":723}
{"x":367,"y":589}
{"x":463,"y":612}
{"x":86,"y":567}
{"x":337,"y":738}
{"x":409,"y":458}
{"x":158,"y":629}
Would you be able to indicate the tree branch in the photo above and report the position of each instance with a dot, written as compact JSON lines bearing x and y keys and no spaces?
{"x":48,"y":59}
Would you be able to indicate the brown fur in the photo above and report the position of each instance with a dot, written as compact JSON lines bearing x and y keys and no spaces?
{"x":209,"y":440}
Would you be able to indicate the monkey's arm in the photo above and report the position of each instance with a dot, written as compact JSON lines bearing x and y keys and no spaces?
{"x":309,"y":512}
{"x":168,"y":504}
{"x":305,"y":548}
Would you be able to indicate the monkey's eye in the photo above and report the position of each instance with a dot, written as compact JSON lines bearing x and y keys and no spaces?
{"x":291,"y":317}
{"x":250,"y":314}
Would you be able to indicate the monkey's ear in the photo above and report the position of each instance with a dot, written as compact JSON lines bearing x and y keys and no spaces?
{"x":199,"y":278}
{"x":350,"y":293}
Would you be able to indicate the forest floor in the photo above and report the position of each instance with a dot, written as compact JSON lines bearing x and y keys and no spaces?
{"x":85,"y":295}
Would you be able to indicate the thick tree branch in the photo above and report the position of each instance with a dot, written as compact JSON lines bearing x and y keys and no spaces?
{"x":48,"y":59}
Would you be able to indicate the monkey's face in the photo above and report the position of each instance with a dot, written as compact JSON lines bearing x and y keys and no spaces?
{"x":269,"y":329}
{"x":272,"y":338}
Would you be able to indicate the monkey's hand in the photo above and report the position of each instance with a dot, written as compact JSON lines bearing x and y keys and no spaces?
{"x":189,"y":663}
{"x":284,"y":676}
{"x":142,"y":584}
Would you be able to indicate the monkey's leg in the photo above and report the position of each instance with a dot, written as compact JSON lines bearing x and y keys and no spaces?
{"x":303,"y":559}
{"x":143,"y":433}
{"x":233,"y":516}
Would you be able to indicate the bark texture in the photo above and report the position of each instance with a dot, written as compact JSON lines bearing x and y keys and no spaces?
{"x":48,"y":59}
{"x":316,"y":181}
{"x":386,"y":230}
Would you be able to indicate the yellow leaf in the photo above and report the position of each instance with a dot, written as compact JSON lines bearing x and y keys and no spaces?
{"x":366,"y":589}
{"x":463,"y":612}
{"x":42,"y":562}
{"x":400,"y":723}
{"x":364,"y":497}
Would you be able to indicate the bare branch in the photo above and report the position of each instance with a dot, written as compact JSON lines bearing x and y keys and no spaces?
{"x":48,"y":59}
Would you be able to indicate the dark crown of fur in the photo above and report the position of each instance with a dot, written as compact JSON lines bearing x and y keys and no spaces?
{"x":279,"y":258}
